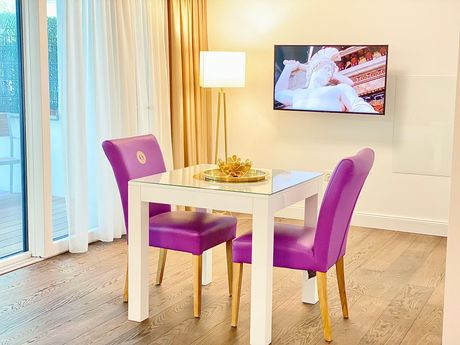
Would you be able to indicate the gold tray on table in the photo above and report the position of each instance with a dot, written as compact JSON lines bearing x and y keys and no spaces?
{"x":252,"y":175}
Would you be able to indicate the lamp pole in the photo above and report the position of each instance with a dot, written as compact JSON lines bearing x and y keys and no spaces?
{"x":221,"y":99}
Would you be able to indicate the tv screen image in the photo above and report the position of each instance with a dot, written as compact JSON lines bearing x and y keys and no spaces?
{"x":337,"y":78}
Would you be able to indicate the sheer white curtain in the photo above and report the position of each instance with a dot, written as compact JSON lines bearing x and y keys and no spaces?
{"x":113,"y":77}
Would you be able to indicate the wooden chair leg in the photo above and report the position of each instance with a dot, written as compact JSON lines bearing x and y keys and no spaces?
{"x":237,"y":279}
{"x":228,"y":245}
{"x":125,"y":293}
{"x":321,"y":278}
{"x":161,"y":266}
{"x":342,"y":290}
{"x":197,"y":273}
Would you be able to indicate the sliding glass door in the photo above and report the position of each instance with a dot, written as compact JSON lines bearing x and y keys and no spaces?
{"x":58,"y":185}
{"x":13,"y":225}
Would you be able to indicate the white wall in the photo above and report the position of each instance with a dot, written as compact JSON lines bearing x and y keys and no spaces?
{"x":451,"y":331}
{"x":423,"y":40}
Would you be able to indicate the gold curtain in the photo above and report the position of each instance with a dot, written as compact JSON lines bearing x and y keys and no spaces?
{"x":191,"y":124}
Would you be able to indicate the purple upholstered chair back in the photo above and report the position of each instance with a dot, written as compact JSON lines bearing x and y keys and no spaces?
{"x":337,"y":207}
{"x":132,"y":158}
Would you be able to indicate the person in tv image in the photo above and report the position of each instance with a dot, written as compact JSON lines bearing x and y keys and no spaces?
{"x":326,"y":89}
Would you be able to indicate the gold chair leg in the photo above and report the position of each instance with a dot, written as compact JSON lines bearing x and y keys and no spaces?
{"x":197,"y":273}
{"x":342,"y":291}
{"x":237,"y":279}
{"x":322,"y":293}
{"x":161,"y":266}
{"x":228,"y":245}
{"x":125,"y":293}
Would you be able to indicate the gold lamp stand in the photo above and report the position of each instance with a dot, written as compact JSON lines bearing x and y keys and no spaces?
{"x":221,"y":99}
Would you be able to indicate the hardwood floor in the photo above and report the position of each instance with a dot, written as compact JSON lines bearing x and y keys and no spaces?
{"x":395,"y":285}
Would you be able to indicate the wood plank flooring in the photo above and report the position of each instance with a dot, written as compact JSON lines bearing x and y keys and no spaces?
{"x":395,"y":286}
{"x":11,"y":227}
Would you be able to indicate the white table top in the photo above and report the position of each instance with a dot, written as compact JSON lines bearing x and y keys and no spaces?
{"x":277,"y":180}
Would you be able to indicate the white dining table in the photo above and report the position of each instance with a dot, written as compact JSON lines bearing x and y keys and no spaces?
{"x":263,"y":199}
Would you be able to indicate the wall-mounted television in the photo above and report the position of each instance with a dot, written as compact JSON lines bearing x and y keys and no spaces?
{"x":331,"y":78}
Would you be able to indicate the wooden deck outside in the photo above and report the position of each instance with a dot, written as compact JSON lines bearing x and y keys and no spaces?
{"x":11,"y":227}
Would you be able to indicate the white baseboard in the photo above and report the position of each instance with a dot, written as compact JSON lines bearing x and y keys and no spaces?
{"x":382,"y":221}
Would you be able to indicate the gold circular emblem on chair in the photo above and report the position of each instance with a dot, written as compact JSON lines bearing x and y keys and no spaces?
{"x":141,"y":157}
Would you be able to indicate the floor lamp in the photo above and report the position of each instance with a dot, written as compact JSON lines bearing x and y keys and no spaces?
{"x":222,"y":70}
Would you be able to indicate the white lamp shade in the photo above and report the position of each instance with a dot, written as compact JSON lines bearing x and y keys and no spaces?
{"x":222,"y":69}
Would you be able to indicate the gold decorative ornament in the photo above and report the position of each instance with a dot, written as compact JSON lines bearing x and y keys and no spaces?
{"x":216,"y":175}
{"x":141,"y":157}
{"x":234,"y":166}
{"x":234,"y":169}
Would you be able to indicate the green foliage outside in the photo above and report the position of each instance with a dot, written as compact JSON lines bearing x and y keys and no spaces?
{"x":9,"y":64}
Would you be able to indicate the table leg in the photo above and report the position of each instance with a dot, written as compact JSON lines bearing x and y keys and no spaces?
{"x":138,"y":277}
{"x":262,"y":273}
{"x":309,"y":290}
{"x":206,"y":276}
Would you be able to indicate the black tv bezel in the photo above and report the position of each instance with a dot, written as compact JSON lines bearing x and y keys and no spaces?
{"x":329,"y":111}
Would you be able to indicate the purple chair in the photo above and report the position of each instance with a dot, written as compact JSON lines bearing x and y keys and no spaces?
{"x":191,"y":232}
{"x":314,"y":249}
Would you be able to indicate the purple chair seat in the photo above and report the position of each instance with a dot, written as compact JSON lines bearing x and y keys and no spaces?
{"x":191,"y":232}
{"x":293,"y":247}
{"x":314,"y":249}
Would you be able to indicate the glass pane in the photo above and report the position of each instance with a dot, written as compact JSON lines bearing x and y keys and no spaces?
{"x":13,"y":235}
{"x":60,"y":227}
{"x":276,"y":180}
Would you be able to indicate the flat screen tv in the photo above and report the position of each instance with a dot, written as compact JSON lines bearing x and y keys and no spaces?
{"x":331,"y":78}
